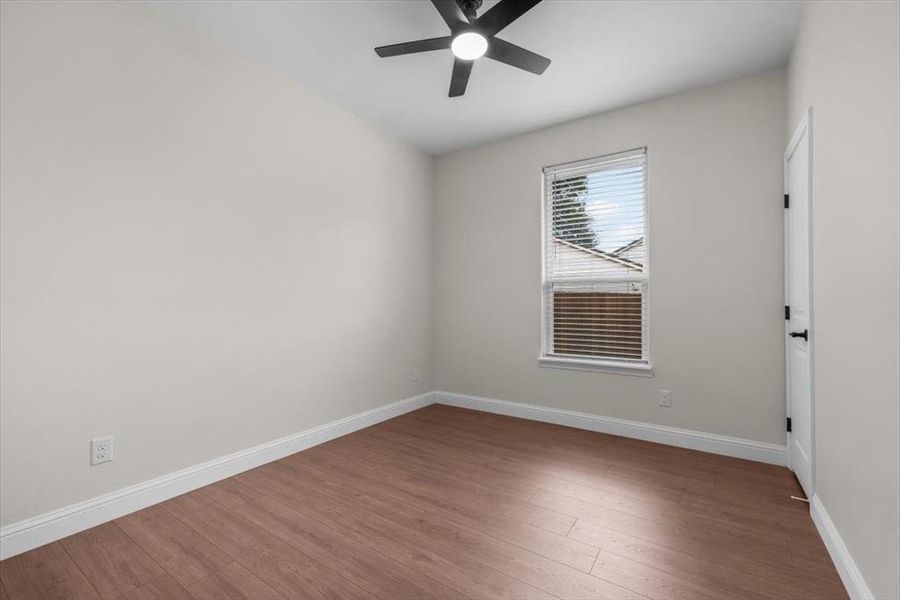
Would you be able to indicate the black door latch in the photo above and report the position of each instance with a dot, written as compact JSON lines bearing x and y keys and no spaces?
{"x":802,"y":334}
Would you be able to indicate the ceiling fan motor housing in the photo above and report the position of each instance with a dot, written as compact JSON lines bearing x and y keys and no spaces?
{"x":469,"y":7}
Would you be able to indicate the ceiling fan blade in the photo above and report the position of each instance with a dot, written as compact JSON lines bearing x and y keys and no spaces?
{"x":451,"y":12}
{"x":502,"y":14}
{"x":460,"y":78}
{"x":441,"y":43}
{"x":516,"y":56}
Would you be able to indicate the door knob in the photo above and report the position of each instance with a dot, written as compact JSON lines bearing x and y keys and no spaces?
{"x":801,"y":334}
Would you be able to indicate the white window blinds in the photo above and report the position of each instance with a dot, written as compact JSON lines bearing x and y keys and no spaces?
{"x":595,"y":259}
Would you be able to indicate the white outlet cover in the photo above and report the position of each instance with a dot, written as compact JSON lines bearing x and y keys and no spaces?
{"x":665,"y":398}
{"x":101,"y":450}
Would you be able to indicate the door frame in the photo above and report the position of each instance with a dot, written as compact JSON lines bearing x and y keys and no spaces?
{"x":803,"y":134}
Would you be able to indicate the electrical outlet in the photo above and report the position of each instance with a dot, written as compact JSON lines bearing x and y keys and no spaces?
{"x":415,"y":378}
{"x":101,"y":450}
{"x":665,"y":398}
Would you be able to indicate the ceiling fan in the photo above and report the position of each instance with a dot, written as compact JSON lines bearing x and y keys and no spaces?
{"x":472,"y":37}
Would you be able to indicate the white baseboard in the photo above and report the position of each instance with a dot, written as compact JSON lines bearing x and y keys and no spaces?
{"x":43,"y":529}
{"x":840,"y":555}
{"x":695,"y":440}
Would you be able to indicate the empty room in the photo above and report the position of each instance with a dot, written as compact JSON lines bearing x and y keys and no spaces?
{"x":449,"y":299}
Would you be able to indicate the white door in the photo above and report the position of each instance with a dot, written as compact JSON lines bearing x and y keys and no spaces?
{"x":798,"y":321}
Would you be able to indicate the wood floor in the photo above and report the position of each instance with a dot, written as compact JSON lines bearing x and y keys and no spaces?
{"x":450,"y":503}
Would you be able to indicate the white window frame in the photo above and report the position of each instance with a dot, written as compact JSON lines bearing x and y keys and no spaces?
{"x":546,"y":358}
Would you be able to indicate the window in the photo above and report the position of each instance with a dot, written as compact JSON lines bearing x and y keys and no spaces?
{"x":595,"y":276}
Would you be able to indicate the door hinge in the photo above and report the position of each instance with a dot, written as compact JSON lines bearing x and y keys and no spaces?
{"x":787,"y":200}
{"x":787,"y":313}
{"x":788,"y":424}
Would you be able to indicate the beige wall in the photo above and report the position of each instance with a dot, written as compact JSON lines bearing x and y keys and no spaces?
{"x":716,"y":316}
{"x":846,"y":66}
{"x":198,"y":256}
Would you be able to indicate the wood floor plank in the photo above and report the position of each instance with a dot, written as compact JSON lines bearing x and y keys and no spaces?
{"x":428,"y":457}
{"x":46,"y":573}
{"x":183,"y":553}
{"x":573,"y":446}
{"x":812,"y":549}
{"x":693,"y":528}
{"x":383,"y":576}
{"x":496,"y":469}
{"x":557,"y":462}
{"x":713,"y":578}
{"x":424,"y":458}
{"x":281,"y":566}
{"x":454,"y":491}
{"x":554,"y":577}
{"x":780,"y":479}
{"x":717,"y":571}
{"x":452,"y":486}
{"x":234,"y":582}
{"x":790,"y":519}
{"x":672,"y":481}
{"x":230,"y":493}
{"x":467,"y":572}
{"x":609,"y":496}
{"x":185,"y":504}
{"x":722,"y":548}
{"x":161,"y":588}
{"x":535,"y":433}
{"x":111,"y":560}
{"x":622,"y":452}
{"x":520,"y":443}
{"x":627,"y":493}
{"x":489,"y":517}
{"x":445,"y":502}
{"x":704,"y":459}
{"x":732,"y":516}
{"x":651,"y":582}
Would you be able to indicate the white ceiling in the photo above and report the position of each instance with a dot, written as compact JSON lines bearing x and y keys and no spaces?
{"x":605,"y":55}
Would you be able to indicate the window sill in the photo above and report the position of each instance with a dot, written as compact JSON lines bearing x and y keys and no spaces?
{"x":601,"y":366}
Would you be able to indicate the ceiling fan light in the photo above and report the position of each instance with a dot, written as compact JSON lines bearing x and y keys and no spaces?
{"x":469,"y":45}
